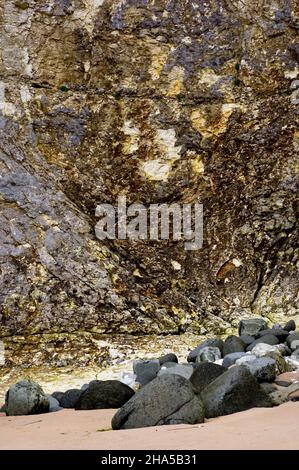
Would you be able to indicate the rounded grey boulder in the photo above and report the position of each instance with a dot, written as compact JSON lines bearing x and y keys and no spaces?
{"x":233,"y":344}
{"x":146,"y":370}
{"x":184,"y":370}
{"x":247,"y":339}
{"x":279,"y":333}
{"x":290,"y":326}
{"x":26,"y":398}
{"x":170,"y":357}
{"x":208,"y":354}
{"x":102,"y":394}
{"x":168,"y":399}
{"x":54,"y":404}
{"x":271,"y":340}
{"x":211,"y":342}
{"x":231,"y":358}
{"x":235,"y":390}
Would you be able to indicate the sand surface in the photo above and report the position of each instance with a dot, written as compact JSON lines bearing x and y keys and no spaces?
{"x":259,"y":428}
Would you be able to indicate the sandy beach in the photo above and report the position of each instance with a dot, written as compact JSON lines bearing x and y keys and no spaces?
{"x":259,"y":428}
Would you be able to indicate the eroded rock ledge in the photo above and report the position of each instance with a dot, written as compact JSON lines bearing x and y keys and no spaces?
{"x":162,"y":101}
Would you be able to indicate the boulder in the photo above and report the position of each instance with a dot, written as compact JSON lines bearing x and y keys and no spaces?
{"x":245,"y":359}
{"x":212,"y":342}
{"x":26,"y":398}
{"x":294,"y":344}
{"x":184,"y":370}
{"x":58,"y":396}
{"x":54,"y":404}
{"x":168,"y":365}
{"x":208,"y":354}
{"x":293,"y":341}
{"x":247,"y":339}
{"x":262,"y":348}
{"x":168,"y":399}
{"x":265,"y":350}
{"x":267,"y":339}
{"x":235,"y":390}
{"x":262,"y":368}
{"x":230,"y":359}
{"x":70,"y":398}
{"x":146,"y":370}
{"x":279,"y":333}
{"x":103,"y":394}
{"x":287,"y":378}
{"x":233,"y":344}
{"x":268,"y":387}
{"x":285,"y":394}
{"x":252,"y":326}
{"x":170,"y":357}
{"x":290,"y":326}
{"x":204,"y":373}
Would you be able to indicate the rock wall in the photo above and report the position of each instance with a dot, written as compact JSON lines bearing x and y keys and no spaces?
{"x":162,"y":101}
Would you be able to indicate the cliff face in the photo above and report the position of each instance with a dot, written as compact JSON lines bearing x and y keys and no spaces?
{"x":163,"y":101}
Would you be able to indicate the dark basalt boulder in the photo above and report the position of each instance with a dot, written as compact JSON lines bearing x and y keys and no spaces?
{"x":267,"y":339}
{"x":70,"y":398}
{"x":146,"y":370}
{"x":279,"y":333}
{"x":102,"y":394}
{"x":235,"y":390}
{"x":247,"y":339}
{"x":233,"y":344}
{"x":169,"y":399}
{"x":290,"y":326}
{"x":204,"y":373}
{"x":58,"y":396}
{"x":170,"y":357}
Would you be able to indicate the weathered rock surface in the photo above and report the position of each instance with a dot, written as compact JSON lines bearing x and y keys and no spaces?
{"x":233,"y":344}
{"x":204,"y":373}
{"x":290,"y":325}
{"x":146,"y":370}
{"x":208,"y":354}
{"x":263,"y":369}
{"x":161,"y":101}
{"x":252,"y":326}
{"x":102,"y":394}
{"x":184,"y":370}
{"x":70,"y":398}
{"x":231,"y":358}
{"x":235,"y":390}
{"x":26,"y":398}
{"x":210,"y":342}
{"x":270,"y":340}
{"x":170,"y":357}
{"x":169,"y":399}
{"x":288,"y":378}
